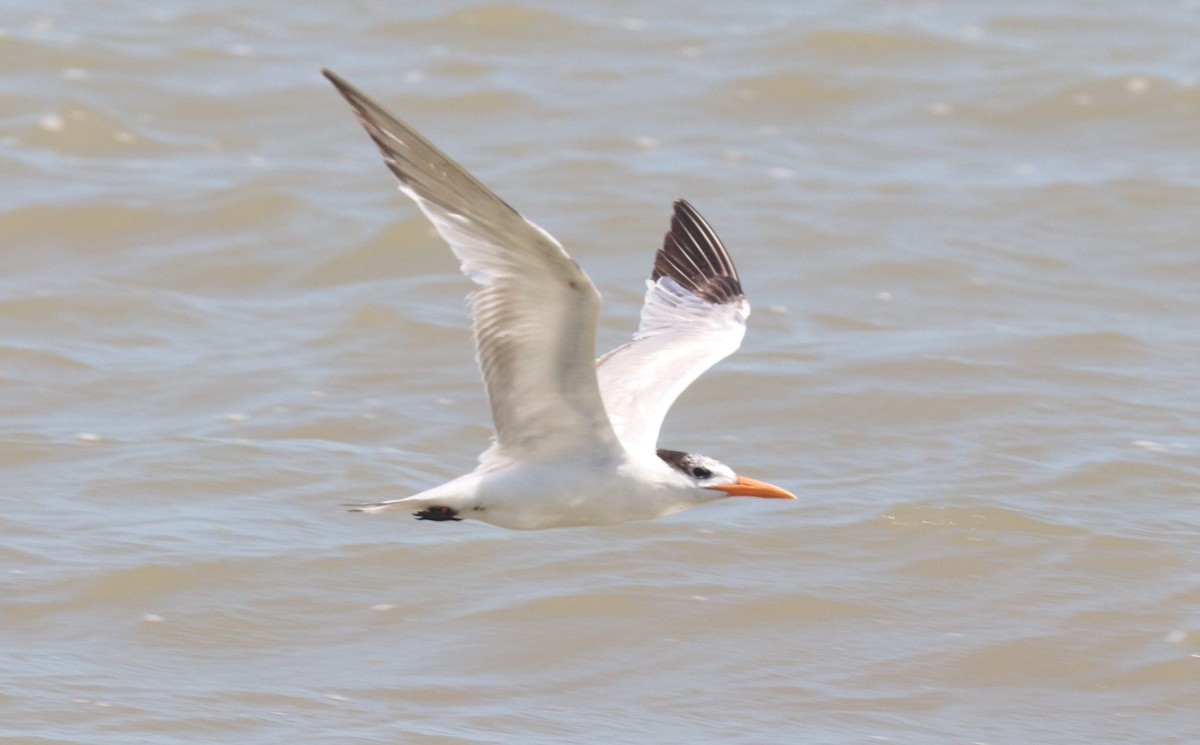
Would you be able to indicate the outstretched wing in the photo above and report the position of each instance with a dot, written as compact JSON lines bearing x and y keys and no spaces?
{"x":535,"y":311}
{"x":694,"y":315}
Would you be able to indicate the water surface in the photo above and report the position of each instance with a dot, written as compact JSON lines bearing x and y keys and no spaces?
{"x":968,"y":232}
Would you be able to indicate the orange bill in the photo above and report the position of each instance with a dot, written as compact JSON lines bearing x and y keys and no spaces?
{"x":748,"y":487}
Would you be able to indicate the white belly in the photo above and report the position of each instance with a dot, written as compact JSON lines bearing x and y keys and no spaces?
{"x":535,"y":496}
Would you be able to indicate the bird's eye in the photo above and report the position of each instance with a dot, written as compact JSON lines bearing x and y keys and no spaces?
{"x":701,"y":473}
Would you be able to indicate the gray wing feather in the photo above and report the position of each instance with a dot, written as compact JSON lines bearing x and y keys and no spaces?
{"x":535,"y":311}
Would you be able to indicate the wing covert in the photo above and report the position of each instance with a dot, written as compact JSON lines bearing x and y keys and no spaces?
{"x":693,"y":316}
{"x":535,"y":311}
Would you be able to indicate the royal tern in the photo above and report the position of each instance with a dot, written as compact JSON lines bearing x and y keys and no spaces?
{"x":575,"y":438}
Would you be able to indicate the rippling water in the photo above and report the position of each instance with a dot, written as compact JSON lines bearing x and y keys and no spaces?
{"x":969,"y":233}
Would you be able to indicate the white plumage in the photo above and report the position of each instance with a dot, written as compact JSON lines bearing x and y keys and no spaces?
{"x":575,"y":440}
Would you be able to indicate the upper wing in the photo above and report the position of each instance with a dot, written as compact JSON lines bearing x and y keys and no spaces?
{"x":693,"y":316}
{"x":535,"y":312}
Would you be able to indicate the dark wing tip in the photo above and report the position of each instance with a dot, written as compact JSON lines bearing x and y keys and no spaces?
{"x":694,"y":256}
{"x":368,"y":112}
{"x":342,"y":85}
{"x":415,"y":161}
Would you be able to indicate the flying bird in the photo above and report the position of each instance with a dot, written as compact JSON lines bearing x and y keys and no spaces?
{"x":575,"y":438}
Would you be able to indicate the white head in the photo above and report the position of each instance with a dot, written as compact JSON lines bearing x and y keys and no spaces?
{"x":711,"y":474}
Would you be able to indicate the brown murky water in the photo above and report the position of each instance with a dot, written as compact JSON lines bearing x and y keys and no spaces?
{"x":969,"y":234}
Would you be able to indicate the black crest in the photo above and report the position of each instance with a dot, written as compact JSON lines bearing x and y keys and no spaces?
{"x":688,"y":464}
